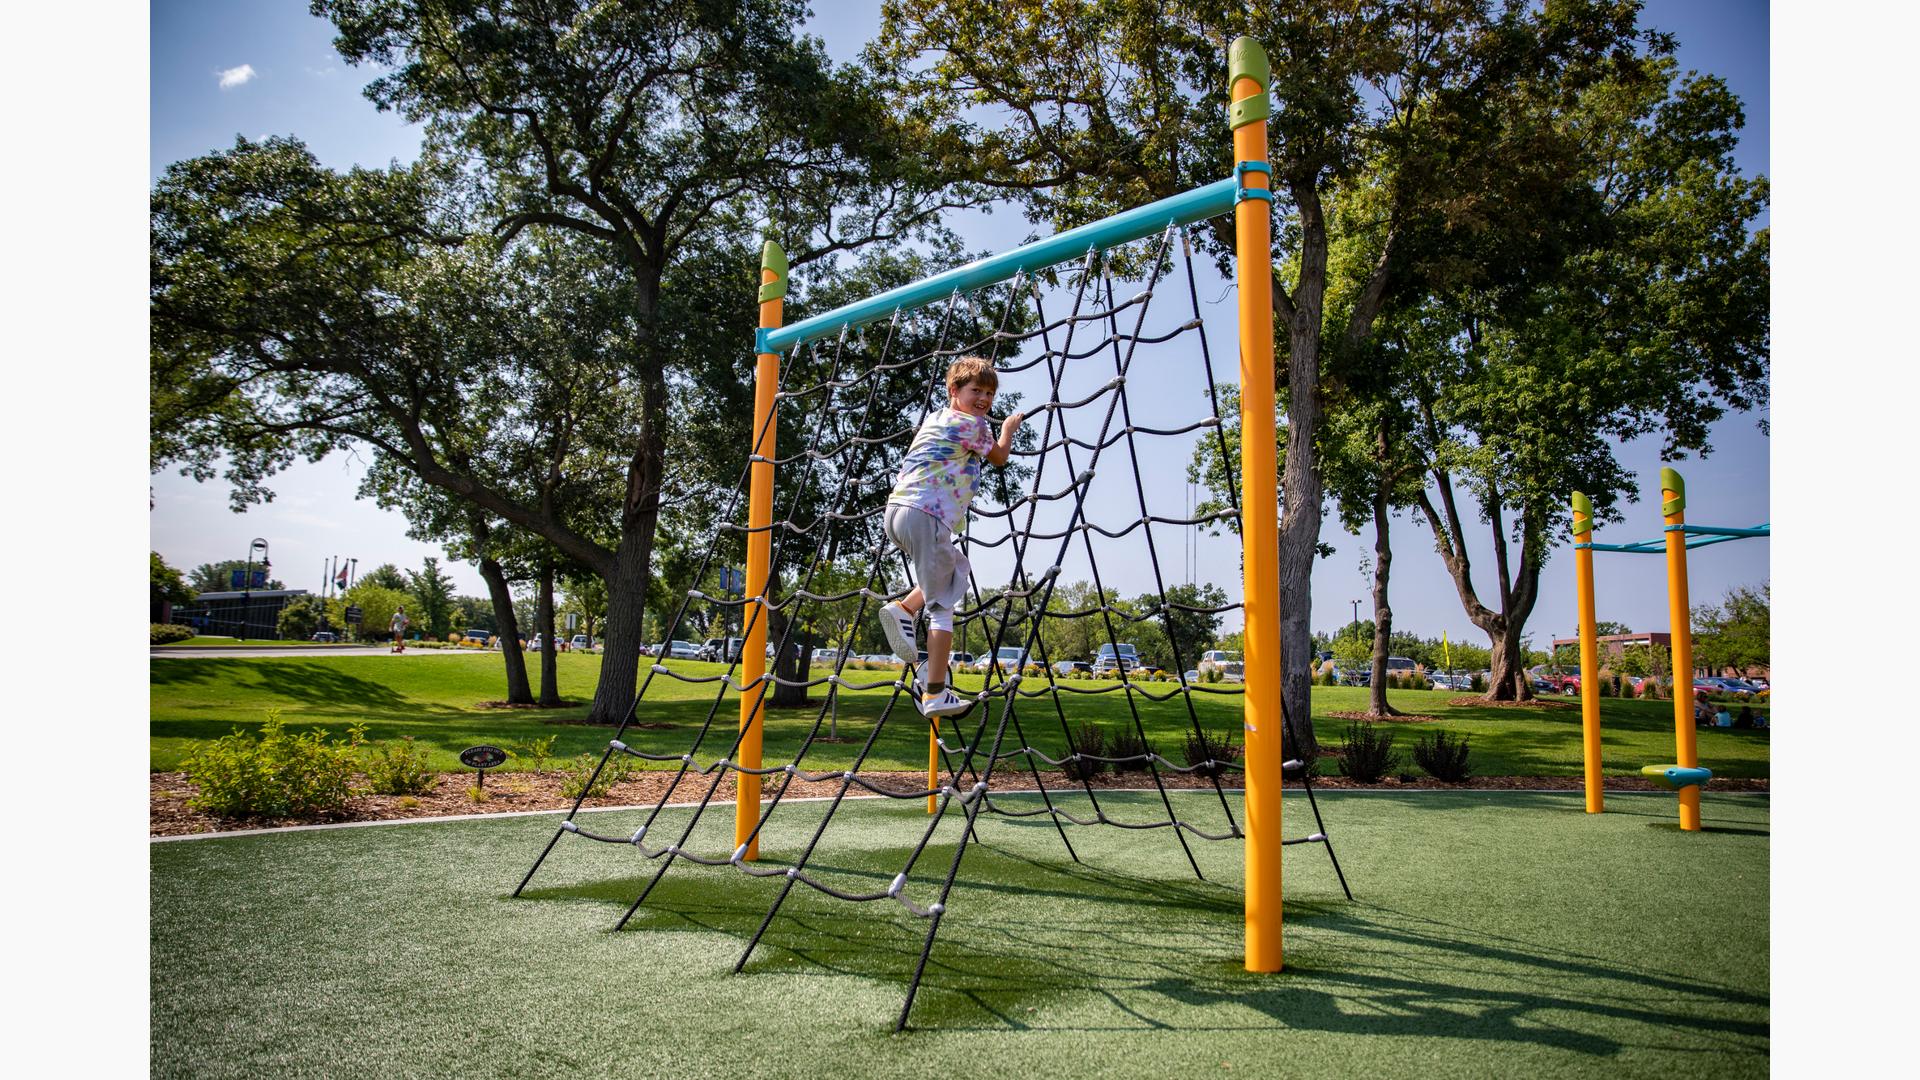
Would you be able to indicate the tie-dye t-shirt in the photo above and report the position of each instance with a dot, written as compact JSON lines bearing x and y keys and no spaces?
{"x":943,"y":465}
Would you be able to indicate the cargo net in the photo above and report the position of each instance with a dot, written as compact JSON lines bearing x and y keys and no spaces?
{"x":856,"y":401}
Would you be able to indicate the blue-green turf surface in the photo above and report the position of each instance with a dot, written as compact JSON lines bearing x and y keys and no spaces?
{"x":1494,"y":934}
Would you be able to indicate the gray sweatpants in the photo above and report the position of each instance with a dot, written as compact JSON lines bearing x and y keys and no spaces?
{"x":938,"y":566}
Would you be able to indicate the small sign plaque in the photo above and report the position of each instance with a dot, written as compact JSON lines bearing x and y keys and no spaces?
{"x":483,"y":757}
{"x":353,"y":614}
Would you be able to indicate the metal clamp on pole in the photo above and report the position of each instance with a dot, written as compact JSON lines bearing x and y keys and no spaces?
{"x":1241,"y":192}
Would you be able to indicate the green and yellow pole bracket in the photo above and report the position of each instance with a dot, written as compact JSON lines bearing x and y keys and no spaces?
{"x":753,"y":656}
{"x":1673,"y":510}
{"x":1589,"y":653}
{"x":1247,"y":79}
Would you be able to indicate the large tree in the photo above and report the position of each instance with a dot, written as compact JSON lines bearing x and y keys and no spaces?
{"x":218,"y":576}
{"x":1654,"y":324}
{"x":1101,"y":107}
{"x":658,"y":131}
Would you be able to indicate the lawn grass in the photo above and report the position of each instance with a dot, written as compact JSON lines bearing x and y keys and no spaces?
{"x":436,"y":699}
{"x":204,"y":641}
{"x":1494,"y":934}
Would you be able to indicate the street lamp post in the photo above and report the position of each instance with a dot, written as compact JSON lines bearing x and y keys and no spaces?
{"x":1356,"y":618}
{"x":246,"y":583}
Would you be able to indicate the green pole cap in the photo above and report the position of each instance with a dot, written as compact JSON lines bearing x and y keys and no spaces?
{"x":1246,"y":59}
{"x":1670,"y":481}
{"x":1583,"y":507}
{"x":774,"y":259}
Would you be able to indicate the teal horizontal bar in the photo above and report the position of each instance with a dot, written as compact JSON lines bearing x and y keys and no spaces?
{"x":1183,"y":209}
{"x":1708,"y":534}
{"x":1720,"y":530}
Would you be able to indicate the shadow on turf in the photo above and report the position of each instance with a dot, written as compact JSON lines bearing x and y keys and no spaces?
{"x":1031,"y":939}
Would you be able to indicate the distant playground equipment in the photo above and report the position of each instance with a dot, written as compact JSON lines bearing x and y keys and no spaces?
{"x":1686,"y":777}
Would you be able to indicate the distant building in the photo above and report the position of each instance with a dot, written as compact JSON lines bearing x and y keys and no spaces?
{"x":238,"y":614}
{"x":1615,"y":644}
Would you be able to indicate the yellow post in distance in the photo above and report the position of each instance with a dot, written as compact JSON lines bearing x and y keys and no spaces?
{"x":1247,"y":78}
{"x":1589,"y":652}
{"x":933,"y":762}
{"x":753,"y":654}
{"x":1673,"y":510}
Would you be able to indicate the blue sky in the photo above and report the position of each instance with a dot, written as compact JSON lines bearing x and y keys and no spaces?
{"x":221,"y":68}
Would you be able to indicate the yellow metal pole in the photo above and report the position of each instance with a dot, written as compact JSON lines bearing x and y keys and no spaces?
{"x":1589,"y":653}
{"x":1673,"y":508}
{"x":1247,"y":78}
{"x":753,"y":654}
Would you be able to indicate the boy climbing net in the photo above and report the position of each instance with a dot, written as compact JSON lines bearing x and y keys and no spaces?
{"x":927,"y":506}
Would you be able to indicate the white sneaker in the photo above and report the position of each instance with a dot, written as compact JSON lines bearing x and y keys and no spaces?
{"x":897,"y":623}
{"x":944,"y":703}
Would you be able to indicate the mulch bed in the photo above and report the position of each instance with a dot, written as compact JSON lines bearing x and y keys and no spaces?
{"x":169,"y":814}
{"x":1400,"y":718}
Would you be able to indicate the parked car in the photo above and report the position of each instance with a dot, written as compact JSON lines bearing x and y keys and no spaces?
{"x":476,"y":639}
{"x":1007,"y":658}
{"x":1228,"y":664}
{"x":324,"y":636}
{"x":722,"y":650}
{"x":962,"y":659}
{"x":826,"y":656}
{"x":1400,"y":665}
{"x":1115,"y":657}
{"x":1361,"y":676}
{"x":1072,"y":667}
{"x":533,"y":643}
{"x":1192,"y":676}
{"x":677,"y":650}
{"x":581,"y":642}
{"x":1441,"y":680}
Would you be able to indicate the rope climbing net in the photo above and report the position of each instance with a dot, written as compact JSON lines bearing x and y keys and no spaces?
{"x":1073,"y":349}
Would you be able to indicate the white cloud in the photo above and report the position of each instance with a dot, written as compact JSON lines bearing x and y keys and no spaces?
{"x":236,"y":76}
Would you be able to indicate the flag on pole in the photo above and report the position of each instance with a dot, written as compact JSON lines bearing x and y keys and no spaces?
{"x":340,"y":579}
{"x":1448,"y":650}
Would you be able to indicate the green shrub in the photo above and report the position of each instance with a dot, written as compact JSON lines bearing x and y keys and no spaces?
{"x":1367,"y":753}
{"x":580,"y":771}
{"x":1088,"y":738}
{"x":1125,"y":743}
{"x":399,"y":768}
{"x":1479,"y":683}
{"x":275,"y":774}
{"x":1605,"y":688}
{"x":1442,"y":756}
{"x":535,"y":751}
{"x":1208,"y":754}
{"x":167,"y":633}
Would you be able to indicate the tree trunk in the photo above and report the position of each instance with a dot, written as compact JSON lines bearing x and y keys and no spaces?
{"x":632,"y":564}
{"x":519,"y":691}
{"x":1301,"y":486}
{"x":795,"y":663}
{"x":1382,"y":613}
{"x":1509,"y":681}
{"x":549,"y":651}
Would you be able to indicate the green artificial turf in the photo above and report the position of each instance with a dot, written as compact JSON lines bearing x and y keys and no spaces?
{"x":436,"y":699}
{"x":1494,"y":933}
